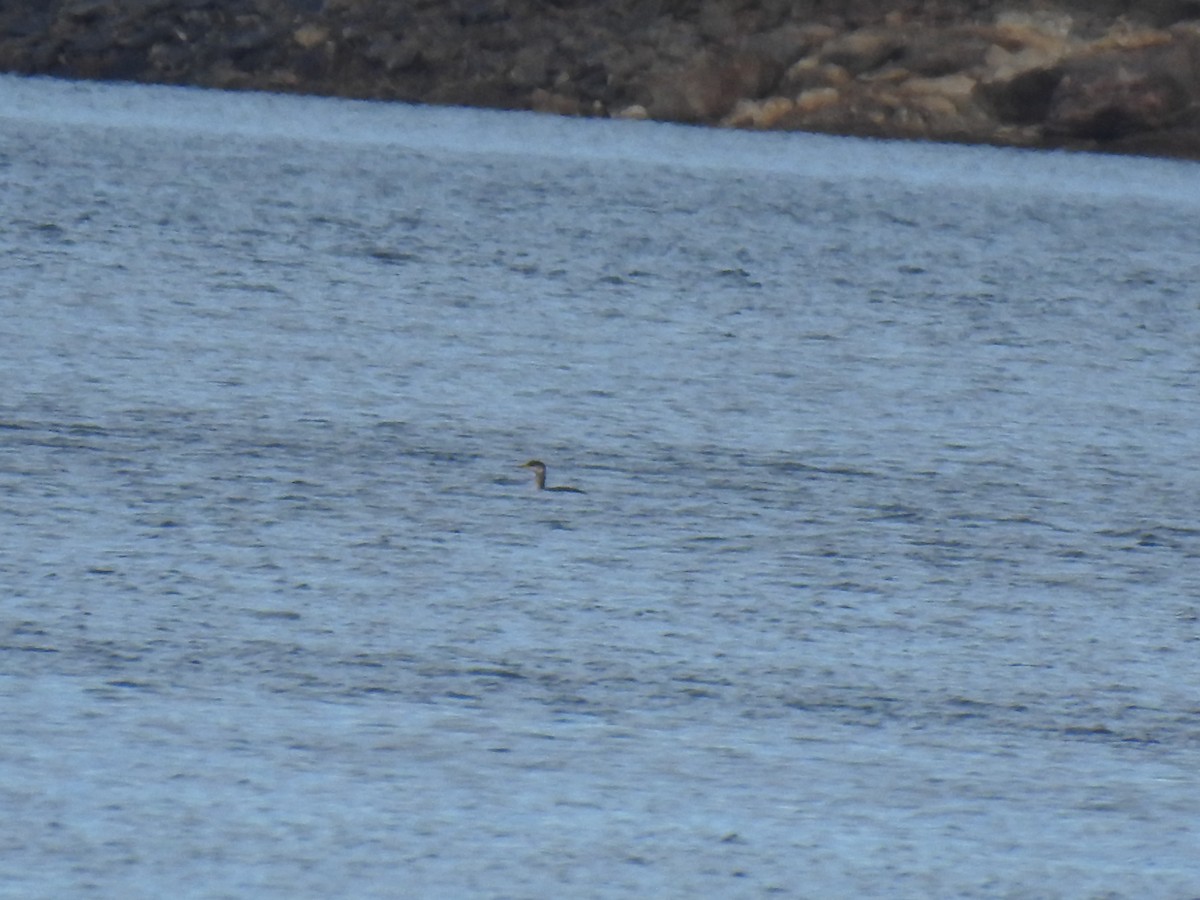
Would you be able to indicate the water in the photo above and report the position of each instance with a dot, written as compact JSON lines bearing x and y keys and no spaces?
{"x":885,"y":582}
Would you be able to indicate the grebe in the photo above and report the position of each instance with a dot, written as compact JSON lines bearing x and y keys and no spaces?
{"x":539,"y":475}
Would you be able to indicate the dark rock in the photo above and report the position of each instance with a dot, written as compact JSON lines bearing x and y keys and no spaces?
{"x":248,"y":36}
{"x":169,"y":60}
{"x":707,"y":89}
{"x":531,"y":67}
{"x":1164,"y":13}
{"x":1112,"y":95}
{"x":786,"y":44}
{"x":1023,"y":98}
{"x":85,"y":11}
{"x":116,"y":64}
{"x":394,"y":55}
{"x":933,"y":53}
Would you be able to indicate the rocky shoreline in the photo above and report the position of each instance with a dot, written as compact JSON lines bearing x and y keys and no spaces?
{"x":1119,"y":77}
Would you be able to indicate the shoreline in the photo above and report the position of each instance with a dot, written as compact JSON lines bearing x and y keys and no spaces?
{"x":1114,"y":78}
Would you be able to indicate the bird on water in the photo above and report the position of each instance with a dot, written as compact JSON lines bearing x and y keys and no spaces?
{"x":539,"y":476}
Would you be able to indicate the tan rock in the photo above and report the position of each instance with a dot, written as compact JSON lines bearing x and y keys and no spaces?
{"x":310,"y":35}
{"x":811,"y":72}
{"x":742,"y":115}
{"x":862,"y":50}
{"x":1015,"y":38}
{"x":1122,"y":38}
{"x":890,"y":75}
{"x":937,"y":109}
{"x":1004,"y":64}
{"x":957,"y":89}
{"x":636,"y":112}
{"x":817,"y":99}
{"x":549,"y":102}
{"x":1052,"y":24}
{"x":775,"y":110}
{"x":284,"y":79}
{"x":760,"y":114}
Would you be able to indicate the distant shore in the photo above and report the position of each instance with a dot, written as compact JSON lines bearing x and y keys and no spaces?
{"x":1119,"y":77}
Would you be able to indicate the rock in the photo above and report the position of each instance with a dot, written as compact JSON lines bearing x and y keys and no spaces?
{"x":864,"y":50}
{"x":810,"y":73}
{"x":549,"y":102}
{"x":310,"y":35}
{"x":393,"y":55}
{"x":816,"y":100}
{"x":956,"y":89}
{"x":1162,"y":13}
{"x":760,"y":114}
{"x":85,"y":11}
{"x":1038,"y":25}
{"x":707,"y":89}
{"x":1023,"y":98}
{"x":531,"y":67}
{"x":786,"y":44}
{"x":1116,"y":93}
{"x":250,"y":34}
{"x":636,"y":112}
{"x":716,"y":23}
{"x":943,"y":108}
{"x":934,"y":53}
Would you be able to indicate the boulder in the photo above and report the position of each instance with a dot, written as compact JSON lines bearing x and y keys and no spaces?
{"x":933,"y":53}
{"x":863,"y":50}
{"x":1114,"y":93}
{"x":707,"y":89}
{"x":1022,"y":98}
{"x":760,"y":114}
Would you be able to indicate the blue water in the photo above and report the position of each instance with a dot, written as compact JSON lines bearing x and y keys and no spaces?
{"x":886,"y":581}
